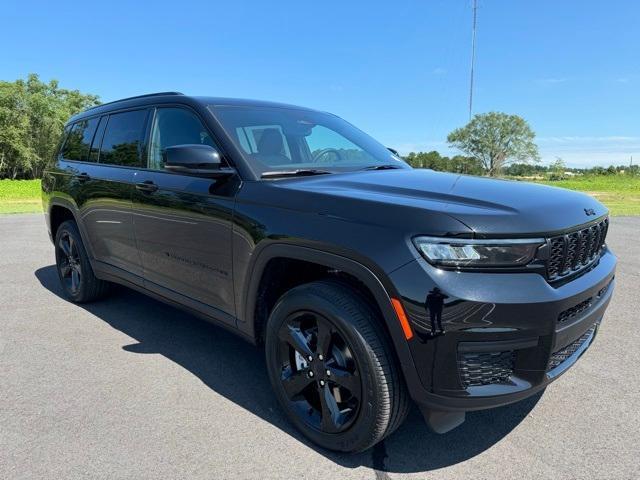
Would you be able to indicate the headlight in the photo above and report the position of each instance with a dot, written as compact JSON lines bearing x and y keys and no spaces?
{"x":452,"y":252}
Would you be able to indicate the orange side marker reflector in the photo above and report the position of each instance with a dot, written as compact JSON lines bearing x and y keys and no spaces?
{"x":402,"y":317}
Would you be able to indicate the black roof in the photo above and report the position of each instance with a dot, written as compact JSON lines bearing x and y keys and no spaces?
{"x":166,"y":97}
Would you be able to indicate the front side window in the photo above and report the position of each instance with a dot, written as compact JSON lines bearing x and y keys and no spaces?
{"x":123,"y":138}
{"x":281,"y":139}
{"x":175,"y":126}
{"x":78,"y":142}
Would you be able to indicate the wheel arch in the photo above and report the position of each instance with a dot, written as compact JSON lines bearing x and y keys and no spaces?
{"x":57,"y":215}
{"x":374,"y":280}
{"x":60,"y":210}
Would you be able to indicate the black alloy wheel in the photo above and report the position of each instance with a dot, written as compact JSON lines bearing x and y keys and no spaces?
{"x":319,"y":373}
{"x":74,"y":269}
{"x":332,"y":367}
{"x":70,"y":269}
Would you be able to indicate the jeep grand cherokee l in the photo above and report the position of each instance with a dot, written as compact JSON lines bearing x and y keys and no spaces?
{"x":369,"y":284}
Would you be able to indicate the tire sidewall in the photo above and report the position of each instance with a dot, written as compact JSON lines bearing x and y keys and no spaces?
{"x":70,"y":228}
{"x":358,"y":436}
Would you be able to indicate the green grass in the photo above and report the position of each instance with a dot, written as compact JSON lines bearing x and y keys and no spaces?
{"x":20,"y":196}
{"x":620,"y":193}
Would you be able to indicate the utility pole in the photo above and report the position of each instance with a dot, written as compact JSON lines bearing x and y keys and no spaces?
{"x":473,"y":55}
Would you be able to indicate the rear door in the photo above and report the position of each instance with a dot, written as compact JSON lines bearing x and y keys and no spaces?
{"x":183,"y":223}
{"x":108,"y":188}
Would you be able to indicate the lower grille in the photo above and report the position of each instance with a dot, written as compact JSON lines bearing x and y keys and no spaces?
{"x":561,"y":355}
{"x":574,"y":311}
{"x":571,"y":313}
{"x":485,"y":368}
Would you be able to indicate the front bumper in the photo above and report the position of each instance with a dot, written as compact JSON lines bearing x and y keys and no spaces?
{"x":507,"y":335}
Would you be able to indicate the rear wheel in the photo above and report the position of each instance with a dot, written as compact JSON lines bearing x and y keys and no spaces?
{"x":332,"y":368}
{"x":74,"y":270}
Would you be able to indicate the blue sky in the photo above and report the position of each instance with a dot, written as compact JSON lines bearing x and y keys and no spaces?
{"x":399,"y":70}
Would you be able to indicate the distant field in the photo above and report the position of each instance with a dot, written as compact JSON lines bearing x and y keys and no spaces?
{"x":20,"y":196}
{"x":620,"y":193}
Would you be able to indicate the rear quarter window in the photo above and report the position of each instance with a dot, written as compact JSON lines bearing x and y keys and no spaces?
{"x":78,"y":142}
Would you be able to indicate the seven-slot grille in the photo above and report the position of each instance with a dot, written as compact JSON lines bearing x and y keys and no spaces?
{"x":573,"y":251}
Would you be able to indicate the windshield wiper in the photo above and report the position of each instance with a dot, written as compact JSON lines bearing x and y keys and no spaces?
{"x":301,"y":172}
{"x":382,"y":167}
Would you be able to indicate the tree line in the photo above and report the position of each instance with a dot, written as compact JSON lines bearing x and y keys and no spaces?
{"x":472,"y":166}
{"x":32,"y":117}
{"x":33,"y":114}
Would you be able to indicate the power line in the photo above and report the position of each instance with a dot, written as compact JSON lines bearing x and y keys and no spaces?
{"x":473,"y":55}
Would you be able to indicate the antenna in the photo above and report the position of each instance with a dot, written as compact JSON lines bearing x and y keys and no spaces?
{"x":473,"y":55}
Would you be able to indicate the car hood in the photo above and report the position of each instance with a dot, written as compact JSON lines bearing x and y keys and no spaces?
{"x":485,"y":205}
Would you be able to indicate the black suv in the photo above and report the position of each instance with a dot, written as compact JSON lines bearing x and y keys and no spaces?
{"x":369,"y":283}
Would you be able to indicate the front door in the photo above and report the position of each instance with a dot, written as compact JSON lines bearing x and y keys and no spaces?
{"x":182,"y":223}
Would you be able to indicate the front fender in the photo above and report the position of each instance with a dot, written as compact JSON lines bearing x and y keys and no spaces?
{"x":370,"y":275}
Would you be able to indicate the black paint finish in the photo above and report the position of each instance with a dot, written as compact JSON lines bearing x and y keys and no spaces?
{"x":204,"y":243}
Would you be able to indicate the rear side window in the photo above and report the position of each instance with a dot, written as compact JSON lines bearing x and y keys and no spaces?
{"x":123,"y":138}
{"x":78,"y":142}
{"x":94,"y":153}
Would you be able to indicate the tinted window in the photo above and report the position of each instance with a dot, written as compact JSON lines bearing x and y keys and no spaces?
{"x":275,"y":138}
{"x":63,"y":140}
{"x":94,"y":153}
{"x":123,"y":138}
{"x":78,"y":142}
{"x":175,"y":126}
{"x":255,"y":137}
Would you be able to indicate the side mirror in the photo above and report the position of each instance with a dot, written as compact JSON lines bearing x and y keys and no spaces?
{"x":394,"y":151}
{"x":193,"y":159}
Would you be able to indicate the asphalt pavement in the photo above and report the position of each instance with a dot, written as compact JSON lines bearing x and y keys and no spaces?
{"x":131,"y":388}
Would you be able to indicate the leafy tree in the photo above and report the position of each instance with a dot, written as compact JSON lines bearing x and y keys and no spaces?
{"x":496,"y":139}
{"x":15,"y":155}
{"x":524,"y":170}
{"x":557,"y":169}
{"x":32,"y":116}
{"x":435,"y":161}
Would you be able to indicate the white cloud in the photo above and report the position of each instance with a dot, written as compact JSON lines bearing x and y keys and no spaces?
{"x":590,"y":151}
{"x":567,"y":140}
{"x":439,"y":71}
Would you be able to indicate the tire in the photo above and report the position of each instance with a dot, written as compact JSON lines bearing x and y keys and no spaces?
{"x":78,"y":281}
{"x":358,"y":369}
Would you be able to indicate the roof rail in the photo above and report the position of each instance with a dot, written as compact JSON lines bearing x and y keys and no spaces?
{"x":158,"y":94}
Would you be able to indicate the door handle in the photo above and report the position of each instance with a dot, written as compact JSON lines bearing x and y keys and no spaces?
{"x":147,"y":186}
{"x":83,"y":177}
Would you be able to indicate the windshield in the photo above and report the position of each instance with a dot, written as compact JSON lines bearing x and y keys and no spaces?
{"x":274,"y":139}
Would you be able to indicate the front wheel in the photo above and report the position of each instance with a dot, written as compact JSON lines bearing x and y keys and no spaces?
{"x":332,"y":368}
